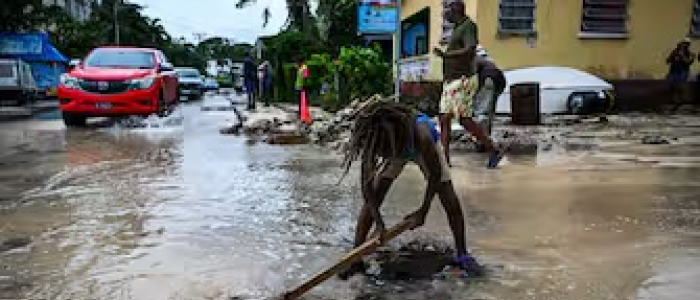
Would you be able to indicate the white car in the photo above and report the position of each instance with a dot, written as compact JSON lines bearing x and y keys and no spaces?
{"x":562,"y":90}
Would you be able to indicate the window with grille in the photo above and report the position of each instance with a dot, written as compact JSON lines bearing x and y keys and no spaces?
{"x":604,"y":17}
{"x":695,"y":19}
{"x":516,"y":16}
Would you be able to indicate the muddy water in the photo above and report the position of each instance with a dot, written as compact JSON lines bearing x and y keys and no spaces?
{"x":181,"y":212}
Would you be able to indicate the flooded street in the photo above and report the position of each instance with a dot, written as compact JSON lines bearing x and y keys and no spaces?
{"x":183,"y":212}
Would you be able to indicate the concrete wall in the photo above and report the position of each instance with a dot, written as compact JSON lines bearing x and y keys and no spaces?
{"x":654,"y":29}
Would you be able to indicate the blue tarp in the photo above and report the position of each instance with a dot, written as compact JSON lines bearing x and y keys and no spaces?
{"x":30,"y":47}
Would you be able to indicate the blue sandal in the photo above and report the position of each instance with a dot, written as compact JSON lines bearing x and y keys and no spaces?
{"x":495,"y":159}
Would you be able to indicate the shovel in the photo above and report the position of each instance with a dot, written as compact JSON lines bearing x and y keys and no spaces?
{"x":353,"y":256}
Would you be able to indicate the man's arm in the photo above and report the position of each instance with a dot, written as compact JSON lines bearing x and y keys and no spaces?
{"x":689,"y":57}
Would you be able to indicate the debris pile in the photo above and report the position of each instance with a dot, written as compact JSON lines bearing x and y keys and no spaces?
{"x":335,"y":131}
{"x":272,"y":126}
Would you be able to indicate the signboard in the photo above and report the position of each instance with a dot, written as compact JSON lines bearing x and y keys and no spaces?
{"x":21,"y":44}
{"x":414,"y":70}
{"x":377,"y":16}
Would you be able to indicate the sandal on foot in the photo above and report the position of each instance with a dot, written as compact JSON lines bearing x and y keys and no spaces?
{"x":495,"y":159}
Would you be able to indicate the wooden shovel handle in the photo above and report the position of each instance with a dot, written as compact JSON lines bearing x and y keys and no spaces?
{"x":353,"y":256}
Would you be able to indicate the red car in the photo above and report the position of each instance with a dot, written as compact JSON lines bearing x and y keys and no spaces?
{"x":118,"y":81}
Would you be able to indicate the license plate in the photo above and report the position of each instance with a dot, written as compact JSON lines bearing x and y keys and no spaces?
{"x":103,"y":105}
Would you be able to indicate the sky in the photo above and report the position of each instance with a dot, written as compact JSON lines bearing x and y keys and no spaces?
{"x":185,"y":18}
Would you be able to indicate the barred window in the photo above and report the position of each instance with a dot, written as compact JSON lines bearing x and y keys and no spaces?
{"x":516,"y":16}
{"x":695,"y":20}
{"x":604,"y":17}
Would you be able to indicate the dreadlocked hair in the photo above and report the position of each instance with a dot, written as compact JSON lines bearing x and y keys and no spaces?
{"x":383,"y":129}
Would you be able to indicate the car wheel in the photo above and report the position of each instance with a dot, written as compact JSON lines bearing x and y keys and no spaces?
{"x":74,"y":120}
{"x":162,"y":109}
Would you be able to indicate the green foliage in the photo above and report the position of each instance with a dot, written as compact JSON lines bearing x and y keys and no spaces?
{"x":288,"y":45}
{"x":22,"y":15}
{"x":365,"y":71}
{"x":362,"y":72}
{"x":220,"y":49}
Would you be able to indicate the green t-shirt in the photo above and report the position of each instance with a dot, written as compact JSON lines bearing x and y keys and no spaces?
{"x":301,"y":78}
{"x":464,"y":35}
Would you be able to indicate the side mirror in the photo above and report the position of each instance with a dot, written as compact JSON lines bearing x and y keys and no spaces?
{"x":73,"y":63}
{"x":166,"y":67}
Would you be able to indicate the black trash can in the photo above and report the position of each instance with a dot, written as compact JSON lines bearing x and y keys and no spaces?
{"x":525,"y":103}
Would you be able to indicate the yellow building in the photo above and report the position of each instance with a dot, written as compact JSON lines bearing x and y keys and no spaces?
{"x":614,"y":39}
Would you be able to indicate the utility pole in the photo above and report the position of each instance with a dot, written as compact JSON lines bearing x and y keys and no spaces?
{"x":116,"y":22}
{"x":398,"y":47}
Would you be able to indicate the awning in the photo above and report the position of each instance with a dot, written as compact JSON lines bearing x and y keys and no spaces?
{"x":29,"y":47}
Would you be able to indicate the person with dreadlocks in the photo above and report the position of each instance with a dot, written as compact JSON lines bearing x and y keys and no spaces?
{"x":461,"y":82}
{"x":386,"y":136}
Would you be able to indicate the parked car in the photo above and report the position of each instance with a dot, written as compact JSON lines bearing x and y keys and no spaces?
{"x":563,"y":90}
{"x":210,"y":84}
{"x":17,"y":85}
{"x":191,"y":84}
{"x":118,"y":81}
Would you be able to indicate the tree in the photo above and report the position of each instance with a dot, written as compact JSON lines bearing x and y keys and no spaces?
{"x":299,"y":15}
{"x":330,"y":23}
{"x":337,"y":21}
{"x":22,"y":15}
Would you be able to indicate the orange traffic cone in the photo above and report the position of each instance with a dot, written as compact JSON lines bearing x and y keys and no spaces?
{"x":305,"y":115}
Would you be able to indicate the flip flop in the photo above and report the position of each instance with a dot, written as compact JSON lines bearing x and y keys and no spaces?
{"x":495,"y":159}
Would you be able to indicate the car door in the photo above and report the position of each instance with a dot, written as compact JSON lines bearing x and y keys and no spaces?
{"x":169,"y":80}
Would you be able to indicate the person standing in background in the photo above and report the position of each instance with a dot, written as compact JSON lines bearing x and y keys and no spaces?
{"x":301,"y":80}
{"x":679,"y":61}
{"x":268,"y":83}
{"x":261,"y":81}
{"x":249,"y":81}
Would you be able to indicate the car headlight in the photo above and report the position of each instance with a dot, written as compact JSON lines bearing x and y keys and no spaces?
{"x":142,"y":83}
{"x":69,"y":81}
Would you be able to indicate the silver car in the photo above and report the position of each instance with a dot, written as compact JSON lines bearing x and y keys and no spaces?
{"x":191,"y":84}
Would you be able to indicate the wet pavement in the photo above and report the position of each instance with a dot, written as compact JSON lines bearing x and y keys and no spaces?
{"x":179,"y":211}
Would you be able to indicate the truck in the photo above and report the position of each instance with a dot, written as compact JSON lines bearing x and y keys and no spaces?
{"x":45,"y":63}
{"x":18,"y":89}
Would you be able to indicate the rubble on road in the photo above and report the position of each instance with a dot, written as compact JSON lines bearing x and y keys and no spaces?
{"x":280,"y":125}
{"x":268,"y":124}
{"x":334,"y":132}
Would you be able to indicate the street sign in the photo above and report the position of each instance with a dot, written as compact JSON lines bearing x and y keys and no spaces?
{"x":377,"y":16}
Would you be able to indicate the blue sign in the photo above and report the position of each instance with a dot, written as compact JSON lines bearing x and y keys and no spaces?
{"x":377,"y":16}
{"x":21,"y":44}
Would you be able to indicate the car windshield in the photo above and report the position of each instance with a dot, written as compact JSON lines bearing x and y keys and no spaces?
{"x":188,"y":73}
{"x":122,"y":59}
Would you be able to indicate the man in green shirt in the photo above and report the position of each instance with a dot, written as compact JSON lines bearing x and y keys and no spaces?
{"x":461,"y":83}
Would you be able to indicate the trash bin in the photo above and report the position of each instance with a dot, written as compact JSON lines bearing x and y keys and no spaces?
{"x":525,"y":103}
